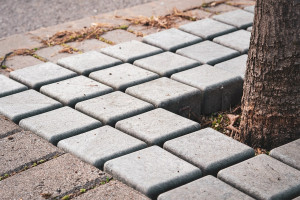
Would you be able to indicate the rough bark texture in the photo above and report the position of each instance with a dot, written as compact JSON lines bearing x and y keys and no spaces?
{"x":271,"y":99}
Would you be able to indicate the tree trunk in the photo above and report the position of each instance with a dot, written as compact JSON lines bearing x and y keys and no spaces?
{"x":271,"y":99}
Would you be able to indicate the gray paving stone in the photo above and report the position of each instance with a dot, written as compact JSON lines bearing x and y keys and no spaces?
{"x":123,"y":76}
{"x":9,"y":86}
{"x":113,"y":107}
{"x":19,"y":62}
{"x":150,"y":172}
{"x":56,"y":178}
{"x":249,"y":29}
{"x":131,"y":51}
{"x":23,"y":149}
{"x":207,"y":28}
{"x":209,"y":150}
{"x":249,"y":9}
{"x":59,"y":124}
{"x":41,"y":74}
{"x":171,"y":39}
{"x":263,"y":177}
{"x":89,"y":45}
{"x":238,"y":40}
{"x":208,"y":52}
{"x":119,"y":35}
{"x":157,"y":126}
{"x":235,"y":65}
{"x":88,"y":62}
{"x":73,"y":90}
{"x":288,"y":154}
{"x":238,"y":18}
{"x":170,"y":95}
{"x":100,"y":145}
{"x":297,"y":198}
{"x":26,"y":104}
{"x":166,"y":64}
{"x":207,"y":188}
{"x":8,"y":127}
{"x":52,"y":53}
{"x":220,"y":89}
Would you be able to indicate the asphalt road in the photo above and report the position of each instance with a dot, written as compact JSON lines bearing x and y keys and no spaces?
{"x":19,"y":16}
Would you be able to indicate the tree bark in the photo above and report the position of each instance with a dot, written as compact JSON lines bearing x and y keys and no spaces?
{"x":271,"y":98}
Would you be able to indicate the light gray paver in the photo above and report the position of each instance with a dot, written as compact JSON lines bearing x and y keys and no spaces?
{"x":26,"y":104}
{"x":250,"y":9}
{"x":166,"y":64}
{"x":152,"y":170}
{"x":41,"y":74}
{"x":236,"y":65}
{"x":263,"y":177}
{"x":238,"y":18}
{"x":71,"y":91}
{"x":288,"y":154}
{"x":297,"y":198}
{"x":9,"y":86}
{"x":157,"y":126}
{"x":59,"y":124}
{"x":123,"y":76}
{"x":131,"y":51}
{"x":220,"y":89}
{"x":88,"y":62}
{"x":249,"y":29}
{"x":100,"y":145}
{"x":208,"y":188}
{"x":171,"y":39}
{"x":113,"y":107}
{"x":170,"y":95}
{"x":207,"y":28}
{"x":238,"y":40}
{"x":208,"y":52}
{"x":209,"y":150}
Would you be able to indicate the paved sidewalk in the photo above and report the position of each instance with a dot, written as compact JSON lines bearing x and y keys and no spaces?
{"x":117,"y":119}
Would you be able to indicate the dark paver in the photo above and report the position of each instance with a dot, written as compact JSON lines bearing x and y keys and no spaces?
{"x":26,"y":104}
{"x":263,"y":177}
{"x":288,"y":154}
{"x":100,"y":145}
{"x":41,"y":74}
{"x":170,"y":95}
{"x":208,"y":52}
{"x":209,"y":150}
{"x":59,"y":124}
{"x":166,"y":64}
{"x":73,"y":90}
{"x":88,"y":62}
{"x":123,"y":76}
{"x":113,"y":107}
{"x":7,"y":127}
{"x":131,"y":51}
{"x":157,"y":126}
{"x":207,"y":187}
{"x":9,"y":86}
{"x":150,"y":172}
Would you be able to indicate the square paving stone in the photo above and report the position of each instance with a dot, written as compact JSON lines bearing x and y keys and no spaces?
{"x":89,"y":45}
{"x":71,"y":91}
{"x":263,"y":177}
{"x":88,"y":62}
{"x":207,"y":28}
{"x":220,"y":89}
{"x":208,"y":188}
{"x":59,"y":124}
{"x":166,"y":64}
{"x":123,"y":76}
{"x":238,"y":18}
{"x":119,"y":35}
{"x":235,"y":65}
{"x":171,"y":39}
{"x":288,"y":154}
{"x":249,"y":29}
{"x":209,"y":150}
{"x":157,"y":126}
{"x":52,"y":53}
{"x":131,"y":51}
{"x":100,"y":145}
{"x":238,"y":40}
{"x":170,"y":95}
{"x":26,"y":104}
{"x":208,"y":52}
{"x":38,"y":75}
{"x":113,"y":107}
{"x":152,"y":171}
{"x":9,"y":86}
{"x":250,"y":9}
